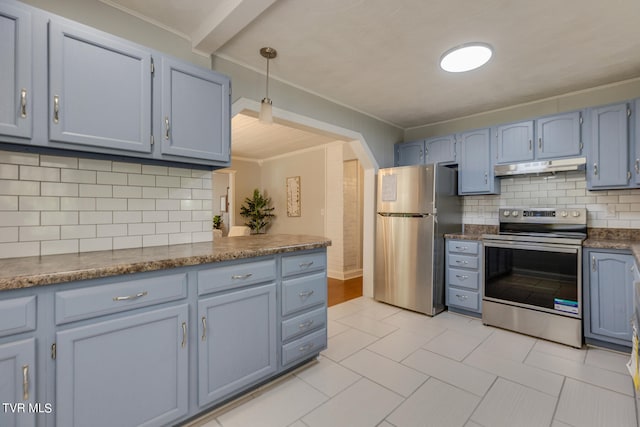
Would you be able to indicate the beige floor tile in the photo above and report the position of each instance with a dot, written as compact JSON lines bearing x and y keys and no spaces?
{"x":606,"y":359}
{"x":509,"y":345}
{"x":400,"y":344}
{"x":328,"y":376}
{"x":367,"y":324}
{"x":453,"y":344}
{"x":345,"y":344}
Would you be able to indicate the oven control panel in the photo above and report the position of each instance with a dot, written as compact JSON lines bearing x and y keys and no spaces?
{"x":543,"y":215}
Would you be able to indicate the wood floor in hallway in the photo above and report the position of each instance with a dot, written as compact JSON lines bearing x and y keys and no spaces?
{"x":343,"y":290}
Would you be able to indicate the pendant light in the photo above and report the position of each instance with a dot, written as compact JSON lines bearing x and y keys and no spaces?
{"x":266,"y":114}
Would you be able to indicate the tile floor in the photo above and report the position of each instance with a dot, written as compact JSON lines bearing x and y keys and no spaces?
{"x":389,"y":367}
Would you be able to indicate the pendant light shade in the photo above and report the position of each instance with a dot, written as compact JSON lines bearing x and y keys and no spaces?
{"x":266,"y":113}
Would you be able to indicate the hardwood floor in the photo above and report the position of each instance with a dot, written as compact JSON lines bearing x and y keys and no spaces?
{"x":343,"y":290}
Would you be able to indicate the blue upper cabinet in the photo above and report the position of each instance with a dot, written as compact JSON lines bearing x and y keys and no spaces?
{"x":440,"y":149}
{"x":636,"y":160}
{"x":559,"y":136}
{"x":99,"y":90}
{"x":15,"y":71}
{"x":193,"y":121}
{"x":608,"y":160}
{"x":409,"y":153}
{"x":475,"y":166}
{"x":515,"y":142}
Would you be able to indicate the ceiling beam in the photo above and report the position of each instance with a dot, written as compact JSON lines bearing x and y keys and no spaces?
{"x":227,"y":19}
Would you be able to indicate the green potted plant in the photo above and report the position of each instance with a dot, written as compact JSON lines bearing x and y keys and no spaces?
{"x":217,"y":222}
{"x":258,"y":212}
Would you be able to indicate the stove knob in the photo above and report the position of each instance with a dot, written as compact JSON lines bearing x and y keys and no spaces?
{"x":514,"y":213}
{"x":575,"y":214}
{"x":506,"y":213}
{"x":564,"y":214}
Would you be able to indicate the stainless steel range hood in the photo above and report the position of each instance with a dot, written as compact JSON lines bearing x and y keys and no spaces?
{"x":544,"y":166}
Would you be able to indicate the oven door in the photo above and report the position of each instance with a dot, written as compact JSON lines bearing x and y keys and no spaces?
{"x":544,"y":277}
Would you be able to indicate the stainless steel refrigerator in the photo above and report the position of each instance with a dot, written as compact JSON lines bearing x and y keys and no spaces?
{"x":416,"y":206}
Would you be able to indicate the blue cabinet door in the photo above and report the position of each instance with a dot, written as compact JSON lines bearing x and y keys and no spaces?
{"x":15,"y":72}
{"x":237,"y":341}
{"x":99,"y":91}
{"x":409,"y":153}
{"x":17,"y":382}
{"x":610,"y":296}
{"x":608,"y":163}
{"x":559,"y":136}
{"x":131,"y":371}
{"x":476,"y":169}
{"x":636,"y":143}
{"x":515,"y":142}
{"x":194,"y":120}
{"x":440,"y":149}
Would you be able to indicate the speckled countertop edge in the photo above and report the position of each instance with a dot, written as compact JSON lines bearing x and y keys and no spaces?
{"x":17,"y":273}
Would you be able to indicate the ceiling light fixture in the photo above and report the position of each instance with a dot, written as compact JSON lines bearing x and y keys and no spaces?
{"x":466,"y":57}
{"x":266,"y":113}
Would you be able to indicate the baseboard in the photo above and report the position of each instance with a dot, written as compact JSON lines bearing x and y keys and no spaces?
{"x":344,"y":275}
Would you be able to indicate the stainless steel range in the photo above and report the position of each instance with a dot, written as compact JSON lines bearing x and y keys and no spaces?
{"x":533,"y":273}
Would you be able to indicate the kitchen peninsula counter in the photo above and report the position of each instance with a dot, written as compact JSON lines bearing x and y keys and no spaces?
{"x":16,"y":273}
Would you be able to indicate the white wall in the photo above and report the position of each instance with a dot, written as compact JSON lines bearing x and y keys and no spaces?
{"x":51,"y":204}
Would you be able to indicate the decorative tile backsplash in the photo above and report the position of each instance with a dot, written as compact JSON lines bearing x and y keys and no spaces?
{"x":606,"y":209}
{"x":51,"y":205}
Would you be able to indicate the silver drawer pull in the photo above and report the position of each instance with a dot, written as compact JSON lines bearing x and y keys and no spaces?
{"x":462,"y":248}
{"x":306,"y":347}
{"x":25,"y":382}
{"x":23,"y":103}
{"x":305,"y":294}
{"x":462,"y":262}
{"x":462,"y":276}
{"x":184,"y":334}
{"x":204,"y":328}
{"x":167,"y":127}
{"x":130,"y":297}
{"x":462,"y":297}
{"x":305,"y":264}
{"x":56,"y":109}
{"x":241,"y":276}
{"x":305,"y":325}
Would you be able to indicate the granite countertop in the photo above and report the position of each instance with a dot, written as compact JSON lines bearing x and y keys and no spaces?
{"x":473,"y":232}
{"x":27,"y":272}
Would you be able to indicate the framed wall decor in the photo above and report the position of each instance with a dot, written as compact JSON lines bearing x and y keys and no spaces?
{"x":293,"y":196}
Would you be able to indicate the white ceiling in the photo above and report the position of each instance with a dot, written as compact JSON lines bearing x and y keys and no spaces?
{"x":381,"y":57}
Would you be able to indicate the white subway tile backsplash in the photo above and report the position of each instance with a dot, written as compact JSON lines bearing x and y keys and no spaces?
{"x":9,"y":171}
{"x":8,"y":203}
{"x":56,"y":204}
{"x":19,"y":188}
{"x":78,"y":176}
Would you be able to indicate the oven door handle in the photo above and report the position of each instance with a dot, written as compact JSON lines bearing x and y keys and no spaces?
{"x":567,"y":249}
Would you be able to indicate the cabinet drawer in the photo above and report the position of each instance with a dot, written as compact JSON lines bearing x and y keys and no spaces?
{"x":305,"y":346}
{"x":463,"y":246}
{"x":464,"y":299}
{"x":17,"y":315}
{"x":297,"y":264}
{"x":304,"y":323}
{"x":463,"y":261}
{"x":98,"y":300}
{"x":219,"y":278}
{"x":463,"y":278}
{"x":303,"y":292}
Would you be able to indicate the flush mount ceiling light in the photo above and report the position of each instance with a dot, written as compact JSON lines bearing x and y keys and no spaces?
{"x":266,"y":114}
{"x":466,"y":57}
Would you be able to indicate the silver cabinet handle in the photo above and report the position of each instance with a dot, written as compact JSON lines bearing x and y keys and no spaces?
{"x":306,"y":347}
{"x":204,"y":328}
{"x":23,"y":103}
{"x":462,"y":276}
{"x":462,"y":248}
{"x":167,"y":127}
{"x":56,"y":109}
{"x":25,"y":382}
{"x":593,"y":263}
{"x":462,"y":262}
{"x":131,"y":297}
{"x":305,"y":325}
{"x":305,"y":294}
{"x":637,"y":166}
{"x":241,"y":276}
{"x":421,"y":155}
{"x":530,"y":144}
{"x":486,"y":178}
{"x":461,"y":297}
{"x":540,"y":144}
{"x":305,"y":264}
{"x":595,"y":169}
{"x":184,"y":334}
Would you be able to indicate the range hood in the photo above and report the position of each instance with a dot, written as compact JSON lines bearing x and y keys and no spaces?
{"x":544,"y":166}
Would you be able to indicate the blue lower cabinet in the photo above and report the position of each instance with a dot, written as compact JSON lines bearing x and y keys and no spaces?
{"x":130,"y":371}
{"x":237,"y":341}
{"x":608,"y":289}
{"x":17,"y":382}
